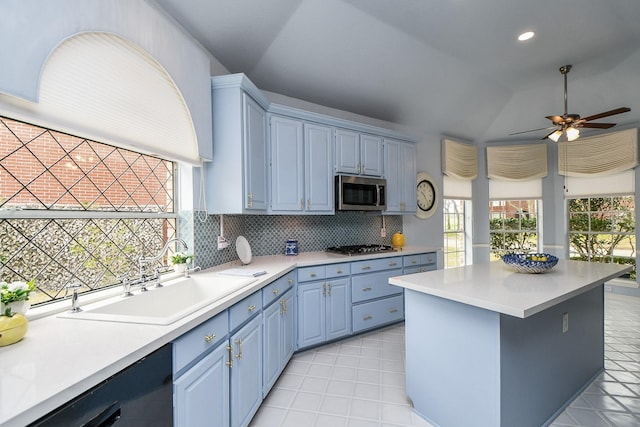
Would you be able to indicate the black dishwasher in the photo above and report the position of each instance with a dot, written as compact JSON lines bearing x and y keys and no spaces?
{"x":138,"y":396}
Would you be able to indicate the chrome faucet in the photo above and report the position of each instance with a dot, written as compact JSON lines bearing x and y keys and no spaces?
{"x":75,"y":306}
{"x":143,"y":262}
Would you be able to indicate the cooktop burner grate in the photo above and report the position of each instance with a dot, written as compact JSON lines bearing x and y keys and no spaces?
{"x":359,"y":249}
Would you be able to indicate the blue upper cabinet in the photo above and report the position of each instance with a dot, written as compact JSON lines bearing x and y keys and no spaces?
{"x":358,"y":153}
{"x":236,"y":178}
{"x":301,"y":167}
{"x":287,"y":163}
{"x":400,"y":173}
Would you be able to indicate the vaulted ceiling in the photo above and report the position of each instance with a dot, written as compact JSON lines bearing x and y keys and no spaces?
{"x":445,"y":67}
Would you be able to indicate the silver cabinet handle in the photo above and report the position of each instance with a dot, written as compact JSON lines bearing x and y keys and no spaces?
{"x":313,"y":275}
{"x":290,"y":281}
{"x":367,"y":289}
{"x":276,"y":291}
{"x":393,"y":310}
{"x":239,"y":344}
{"x":366,"y":267}
{"x":251,"y":308}
{"x":367,"y":317}
{"x":209,"y":338}
{"x":393,"y":264}
{"x":329,"y":289}
{"x":230,"y":362}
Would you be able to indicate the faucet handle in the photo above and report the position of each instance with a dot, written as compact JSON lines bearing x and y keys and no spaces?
{"x":126,"y":285}
{"x":75,"y":307}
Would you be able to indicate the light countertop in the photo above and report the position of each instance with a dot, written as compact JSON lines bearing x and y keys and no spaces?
{"x":493,"y":286}
{"x":60,"y":358}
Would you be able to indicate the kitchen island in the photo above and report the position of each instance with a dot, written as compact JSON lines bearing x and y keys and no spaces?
{"x":487,"y":346}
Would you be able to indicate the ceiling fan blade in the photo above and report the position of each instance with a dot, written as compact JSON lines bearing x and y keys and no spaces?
{"x":598,"y":125}
{"x":557,"y":120}
{"x":532,"y":130}
{"x":607,"y":114}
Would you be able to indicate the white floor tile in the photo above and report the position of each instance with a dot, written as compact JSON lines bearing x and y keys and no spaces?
{"x":360,"y":381}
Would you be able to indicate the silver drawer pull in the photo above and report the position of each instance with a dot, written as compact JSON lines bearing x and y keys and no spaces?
{"x":276,"y":291}
{"x":366,"y":267}
{"x":393,"y":264}
{"x":209,"y":338}
{"x":414,"y":261}
{"x":367,"y":317}
{"x":339,"y":271}
{"x":368,"y":288}
{"x":251,"y":308}
{"x":290,"y":281}
{"x":393,"y":310}
{"x":313,"y":274}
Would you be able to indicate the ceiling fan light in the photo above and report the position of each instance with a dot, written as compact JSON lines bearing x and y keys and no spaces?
{"x":572,"y":133}
{"x":555,"y":136}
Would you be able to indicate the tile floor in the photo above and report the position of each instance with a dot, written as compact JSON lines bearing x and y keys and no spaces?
{"x":359,"y":381}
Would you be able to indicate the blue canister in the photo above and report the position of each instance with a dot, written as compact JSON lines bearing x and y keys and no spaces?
{"x":292,"y":247}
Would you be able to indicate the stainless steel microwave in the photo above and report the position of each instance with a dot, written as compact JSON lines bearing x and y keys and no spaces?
{"x":357,"y":193}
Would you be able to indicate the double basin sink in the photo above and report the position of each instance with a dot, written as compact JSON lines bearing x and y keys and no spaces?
{"x":165,"y":305}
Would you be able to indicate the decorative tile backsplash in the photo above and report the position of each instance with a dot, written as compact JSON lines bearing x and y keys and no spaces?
{"x":267,"y":234}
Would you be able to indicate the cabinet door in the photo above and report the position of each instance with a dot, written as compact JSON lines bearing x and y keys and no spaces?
{"x":272,"y":345}
{"x":400,"y":173}
{"x":318,"y":168}
{"x":311,"y":309}
{"x":408,"y":154}
{"x":288,"y":327}
{"x":338,"y":308}
{"x":255,"y":145}
{"x":392,"y":175}
{"x":246,"y":373}
{"x":202,"y":393}
{"x":287,"y":161}
{"x":370,"y":155}
{"x":347,"y":154}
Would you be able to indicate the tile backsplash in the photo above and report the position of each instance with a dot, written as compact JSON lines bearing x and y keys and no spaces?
{"x":267,"y":234}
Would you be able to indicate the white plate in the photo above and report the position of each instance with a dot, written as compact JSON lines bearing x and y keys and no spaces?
{"x":243,"y":249}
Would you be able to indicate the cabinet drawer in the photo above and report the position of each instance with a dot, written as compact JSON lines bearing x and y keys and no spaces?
{"x":419,"y":259}
{"x":244,"y":310}
{"x":376,"y":313}
{"x":306,"y":274}
{"x":338,"y":270}
{"x":278,"y":287}
{"x":201,"y":338}
{"x":419,"y":269}
{"x":375,"y":285}
{"x":379,"y":264}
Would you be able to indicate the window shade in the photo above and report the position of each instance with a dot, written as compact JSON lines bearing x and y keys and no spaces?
{"x":454,"y":188}
{"x":459,"y":160}
{"x":517,"y":162}
{"x":515,"y":190}
{"x":609,"y":185}
{"x":599,"y":155}
{"x":103,"y":87}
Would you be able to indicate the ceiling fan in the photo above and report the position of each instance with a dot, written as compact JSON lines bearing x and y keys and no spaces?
{"x":569,"y":124}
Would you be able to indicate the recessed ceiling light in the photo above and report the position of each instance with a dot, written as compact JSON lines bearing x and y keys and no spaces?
{"x":526,"y":36}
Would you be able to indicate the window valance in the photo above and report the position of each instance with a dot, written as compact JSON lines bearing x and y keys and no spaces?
{"x":459,"y":160}
{"x":517,"y":162}
{"x":599,"y":155}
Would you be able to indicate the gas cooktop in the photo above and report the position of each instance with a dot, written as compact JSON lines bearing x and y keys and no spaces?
{"x":359,"y":249}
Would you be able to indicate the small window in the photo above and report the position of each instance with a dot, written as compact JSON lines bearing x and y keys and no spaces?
{"x":455,"y":235}
{"x":74,"y":210}
{"x":513,"y":227}
{"x":602,"y":229}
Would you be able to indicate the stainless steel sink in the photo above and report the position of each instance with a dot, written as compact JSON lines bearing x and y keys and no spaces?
{"x":163,"y":306}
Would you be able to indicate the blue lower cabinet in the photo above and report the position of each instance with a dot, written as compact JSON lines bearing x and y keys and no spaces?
{"x":202,"y":393}
{"x":246,"y":372}
{"x":324,"y":311}
{"x":278,"y":339}
{"x":377,"y":313}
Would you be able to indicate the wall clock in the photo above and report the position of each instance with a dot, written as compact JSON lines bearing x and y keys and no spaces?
{"x":428,"y":195}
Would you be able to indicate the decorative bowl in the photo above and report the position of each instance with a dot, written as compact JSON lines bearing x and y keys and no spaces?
{"x":530,"y":263}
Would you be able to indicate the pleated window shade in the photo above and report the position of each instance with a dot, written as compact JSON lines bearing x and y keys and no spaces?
{"x":459,"y":160}
{"x":517,"y":162}
{"x":454,"y":188}
{"x":599,"y":155}
{"x":103,"y":87}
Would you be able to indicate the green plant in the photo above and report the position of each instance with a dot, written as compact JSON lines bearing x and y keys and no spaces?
{"x":181,"y":258}
{"x":14,"y":292}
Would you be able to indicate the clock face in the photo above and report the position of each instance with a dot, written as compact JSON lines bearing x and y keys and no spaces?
{"x":426,"y":195}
